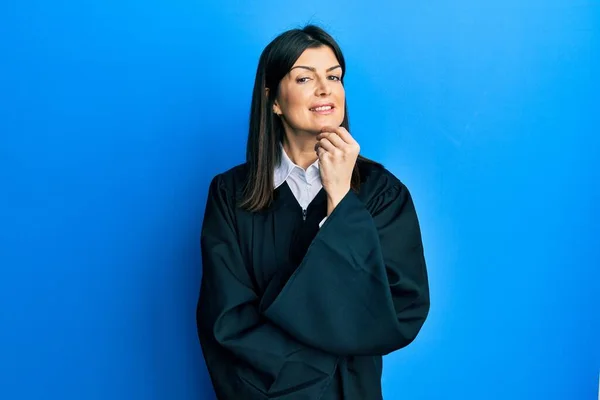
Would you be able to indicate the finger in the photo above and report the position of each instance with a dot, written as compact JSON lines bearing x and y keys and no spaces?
{"x":320,"y":152}
{"x":328,"y":128}
{"x":334,"y":138}
{"x":341,"y":132}
{"x":326,"y":145}
{"x":323,"y":135}
{"x":345,"y":135}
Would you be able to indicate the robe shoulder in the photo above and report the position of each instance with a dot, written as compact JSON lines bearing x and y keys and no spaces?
{"x":379,"y":186}
{"x":233,"y":181}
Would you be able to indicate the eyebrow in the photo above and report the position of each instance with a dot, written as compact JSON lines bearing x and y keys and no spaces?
{"x":314,"y":69}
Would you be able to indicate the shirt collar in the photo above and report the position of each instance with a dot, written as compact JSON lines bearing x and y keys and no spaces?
{"x":287,"y":166}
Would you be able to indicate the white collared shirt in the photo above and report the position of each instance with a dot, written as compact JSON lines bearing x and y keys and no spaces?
{"x":304,"y":184}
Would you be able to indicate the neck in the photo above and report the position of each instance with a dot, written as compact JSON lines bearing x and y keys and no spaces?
{"x":300,"y":149}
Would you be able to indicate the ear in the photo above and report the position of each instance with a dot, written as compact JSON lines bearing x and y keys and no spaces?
{"x":276,"y":108}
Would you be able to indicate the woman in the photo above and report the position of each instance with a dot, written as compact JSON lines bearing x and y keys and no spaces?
{"x":313,"y":265}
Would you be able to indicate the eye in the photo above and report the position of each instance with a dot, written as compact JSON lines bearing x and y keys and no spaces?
{"x":335,"y":78}
{"x":302,"y":79}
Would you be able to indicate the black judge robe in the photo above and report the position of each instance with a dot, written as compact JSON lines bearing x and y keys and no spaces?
{"x":288,"y":310}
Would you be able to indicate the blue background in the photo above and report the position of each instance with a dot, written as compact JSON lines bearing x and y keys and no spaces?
{"x":115,"y":115}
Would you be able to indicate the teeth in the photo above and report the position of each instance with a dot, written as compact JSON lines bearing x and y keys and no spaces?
{"x":324,"y":108}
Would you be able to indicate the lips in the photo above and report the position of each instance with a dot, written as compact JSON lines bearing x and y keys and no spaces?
{"x":322,"y":108}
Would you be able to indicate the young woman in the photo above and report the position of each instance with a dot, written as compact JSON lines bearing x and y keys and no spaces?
{"x":313,"y":265}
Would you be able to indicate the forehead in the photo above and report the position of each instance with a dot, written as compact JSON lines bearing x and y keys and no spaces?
{"x":319,"y":57}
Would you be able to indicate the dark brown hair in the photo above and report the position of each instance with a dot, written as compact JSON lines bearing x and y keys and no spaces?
{"x":266,"y":130}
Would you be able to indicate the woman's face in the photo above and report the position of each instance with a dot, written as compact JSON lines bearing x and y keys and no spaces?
{"x":311,"y":95}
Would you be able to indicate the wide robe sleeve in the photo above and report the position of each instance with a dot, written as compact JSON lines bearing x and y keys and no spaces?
{"x":260,"y":354}
{"x":362,"y":287}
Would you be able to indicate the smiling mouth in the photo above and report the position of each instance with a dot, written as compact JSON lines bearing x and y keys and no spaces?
{"x":323,"y":109}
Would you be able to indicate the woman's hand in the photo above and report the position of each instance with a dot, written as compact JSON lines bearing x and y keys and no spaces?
{"x":337,"y":151}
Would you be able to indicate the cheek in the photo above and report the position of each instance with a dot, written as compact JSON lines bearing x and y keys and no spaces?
{"x":341,"y":94}
{"x":286,"y":99}
{"x":296,"y":103}
{"x":340,"y":97}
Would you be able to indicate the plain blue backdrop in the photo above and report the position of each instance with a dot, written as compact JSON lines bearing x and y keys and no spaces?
{"x":115,"y":115}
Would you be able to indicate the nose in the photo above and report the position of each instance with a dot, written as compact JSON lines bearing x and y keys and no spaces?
{"x":323,"y":87}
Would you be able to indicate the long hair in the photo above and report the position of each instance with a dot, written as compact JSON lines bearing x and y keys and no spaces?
{"x":266,"y":130}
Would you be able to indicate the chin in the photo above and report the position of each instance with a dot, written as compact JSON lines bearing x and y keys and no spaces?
{"x":328,"y":120}
{"x":315,"y":126}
